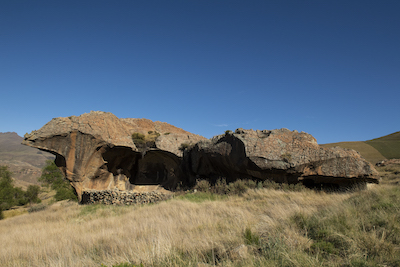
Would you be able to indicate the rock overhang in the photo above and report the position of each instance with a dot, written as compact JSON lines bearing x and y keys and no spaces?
{"x":96,"y":151}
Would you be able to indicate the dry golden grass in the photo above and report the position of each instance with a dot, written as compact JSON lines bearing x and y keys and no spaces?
{"x":165,"y":234}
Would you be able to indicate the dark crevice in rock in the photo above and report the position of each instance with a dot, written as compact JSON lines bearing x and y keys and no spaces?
{"x":120,"y":160}
{"x":158,"y":167}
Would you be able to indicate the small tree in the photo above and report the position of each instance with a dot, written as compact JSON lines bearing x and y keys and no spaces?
{"x":52,"y":176}
{"x":32,"y":194}
{"x":6,"y":189}
{"x":14,"y":196}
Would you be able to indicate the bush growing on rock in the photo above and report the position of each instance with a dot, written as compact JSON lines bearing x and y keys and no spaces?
{"x":183,"y":146}
{"x":138,"y":138}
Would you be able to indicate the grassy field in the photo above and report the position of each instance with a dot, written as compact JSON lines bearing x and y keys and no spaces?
{"x":260,"y":227}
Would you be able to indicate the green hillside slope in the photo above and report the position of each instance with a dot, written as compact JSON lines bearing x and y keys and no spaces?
{"x":375,"y":150}
{"x":368,"y":152}
{"x":388,"y":146}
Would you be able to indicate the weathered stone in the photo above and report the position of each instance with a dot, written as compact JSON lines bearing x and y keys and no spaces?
{"x":96,"y":151}
{"x":117,"y":197}
{"x":279,"y":155}
{"x":175,"y":143}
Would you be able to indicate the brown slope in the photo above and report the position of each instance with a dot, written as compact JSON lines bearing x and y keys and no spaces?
{"x":24,"y":162}
{"x":12,"y":150}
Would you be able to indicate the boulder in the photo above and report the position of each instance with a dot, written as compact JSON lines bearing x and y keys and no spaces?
{"x":278,"y":155}
{"x":96,"y":151}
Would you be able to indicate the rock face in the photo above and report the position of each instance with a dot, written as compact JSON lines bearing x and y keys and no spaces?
{"x":278,"y":155}
{"x":96,"y":151}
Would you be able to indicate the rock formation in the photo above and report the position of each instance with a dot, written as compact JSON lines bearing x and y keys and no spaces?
{"x":278,"y":155}
{"x":98,"y":151}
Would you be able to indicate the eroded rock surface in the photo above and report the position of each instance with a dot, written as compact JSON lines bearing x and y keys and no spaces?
{"x":96,"y":151}
{"x":279,"y":155}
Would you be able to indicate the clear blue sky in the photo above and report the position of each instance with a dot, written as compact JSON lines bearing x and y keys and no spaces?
{"x":330,"y":68}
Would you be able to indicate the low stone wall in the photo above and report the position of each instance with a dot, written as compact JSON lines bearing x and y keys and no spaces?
{"x":117,"y":197}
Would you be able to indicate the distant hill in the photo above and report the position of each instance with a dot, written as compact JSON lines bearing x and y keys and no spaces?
{"x":388,"y":146}
{"x":25,"y":162}
{"x":375,"y":150}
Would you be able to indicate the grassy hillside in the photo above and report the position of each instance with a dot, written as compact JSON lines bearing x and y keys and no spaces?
{"x":367,"y":151}
{"x":375,"y":150}
{"x":388,"y":146}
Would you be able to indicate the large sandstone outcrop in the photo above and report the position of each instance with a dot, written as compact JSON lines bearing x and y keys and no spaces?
{"x":279,"y":155}
{"x":96,"y":151}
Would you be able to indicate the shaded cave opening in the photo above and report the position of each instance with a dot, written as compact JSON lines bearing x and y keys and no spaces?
{"x":152,"y":167}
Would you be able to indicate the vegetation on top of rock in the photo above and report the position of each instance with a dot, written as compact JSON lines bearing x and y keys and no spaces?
{"x":184,"y":146}
{"x":138,"y":138}
{"x":143,"y":142}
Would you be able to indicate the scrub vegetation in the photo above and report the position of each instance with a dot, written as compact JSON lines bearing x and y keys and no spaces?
{"x":53,"y":178}
{"x":264,"y":224}
{"x":144,"y":141}
{"x":11,"y":196}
